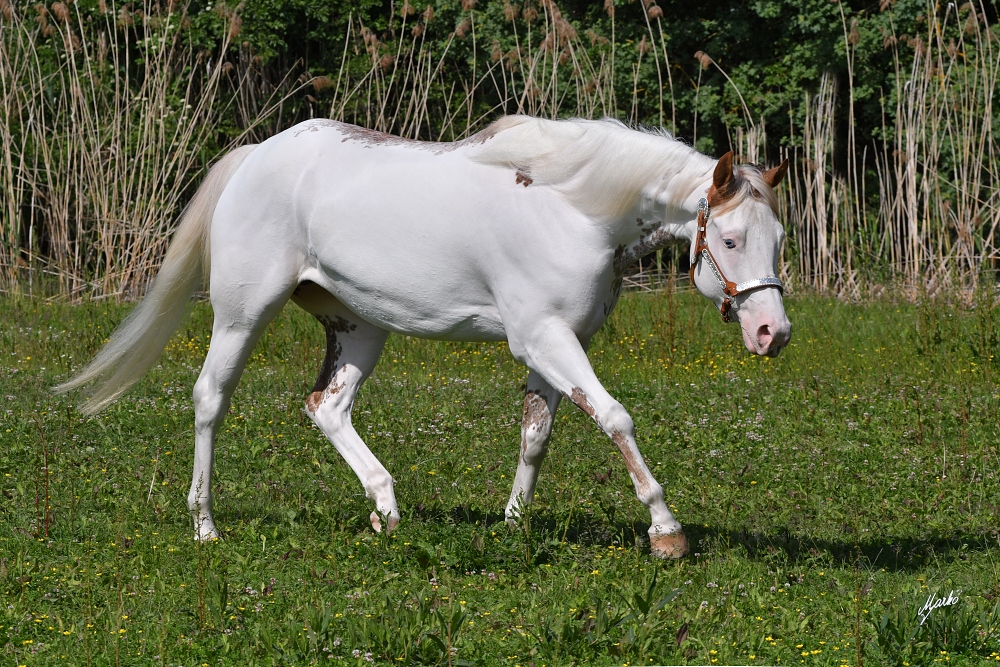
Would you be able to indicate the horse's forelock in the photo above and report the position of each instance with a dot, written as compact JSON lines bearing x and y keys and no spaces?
{"x":747,"y":183}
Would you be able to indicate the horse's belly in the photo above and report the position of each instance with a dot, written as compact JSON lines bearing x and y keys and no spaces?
{"x":402,"y":308}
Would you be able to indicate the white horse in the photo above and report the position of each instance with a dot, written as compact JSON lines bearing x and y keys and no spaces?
{"x":519,"y":233}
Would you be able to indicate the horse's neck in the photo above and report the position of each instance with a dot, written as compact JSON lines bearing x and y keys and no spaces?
{"x":665,"y":213}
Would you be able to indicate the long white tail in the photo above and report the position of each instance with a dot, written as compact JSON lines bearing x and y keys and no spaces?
{"x":137,"y":343}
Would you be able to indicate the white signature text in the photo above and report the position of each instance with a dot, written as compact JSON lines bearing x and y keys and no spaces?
{"x":934,"y":602}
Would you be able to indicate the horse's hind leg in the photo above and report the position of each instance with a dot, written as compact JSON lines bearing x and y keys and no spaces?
{"x":239,"y":320}
{"x":540,"y":403}
{"x":353,"y":347}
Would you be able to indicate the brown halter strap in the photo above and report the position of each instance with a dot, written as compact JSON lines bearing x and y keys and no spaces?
{"x":702,"y":251}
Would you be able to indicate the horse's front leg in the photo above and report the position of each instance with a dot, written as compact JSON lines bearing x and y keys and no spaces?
{"x":556,"y":354}
{"x":540,"y":403}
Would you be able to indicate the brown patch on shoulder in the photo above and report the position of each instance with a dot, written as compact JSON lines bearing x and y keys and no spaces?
{"x":580,"y":399}
{"x":523,"y":179}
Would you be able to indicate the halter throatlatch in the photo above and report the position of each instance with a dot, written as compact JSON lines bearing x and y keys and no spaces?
{"x":729,"y":288}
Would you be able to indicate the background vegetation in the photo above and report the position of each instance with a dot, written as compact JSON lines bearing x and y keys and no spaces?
{"x":110,"y":112}
{"x":827,"y":493}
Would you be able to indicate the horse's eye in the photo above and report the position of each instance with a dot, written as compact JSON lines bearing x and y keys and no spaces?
{"x":729,"y":243}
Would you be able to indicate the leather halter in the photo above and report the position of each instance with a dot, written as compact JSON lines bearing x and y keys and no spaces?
{"x":729,"y":288}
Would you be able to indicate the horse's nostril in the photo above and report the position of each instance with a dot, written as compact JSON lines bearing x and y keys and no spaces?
{"x":764,"y":337}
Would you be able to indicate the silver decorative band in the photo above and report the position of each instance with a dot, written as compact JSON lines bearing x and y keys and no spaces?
{"x":718,"y":273}
{"x":758,"y":283}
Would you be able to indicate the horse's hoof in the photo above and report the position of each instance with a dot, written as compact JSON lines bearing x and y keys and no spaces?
{"x":392,"y":520}
{"x":671,"y":546}
{"x":209,"y":536}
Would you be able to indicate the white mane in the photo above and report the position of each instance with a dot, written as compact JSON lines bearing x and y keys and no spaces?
{"x":601,"y":167}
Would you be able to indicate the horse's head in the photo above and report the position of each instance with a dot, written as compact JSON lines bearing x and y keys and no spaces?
{"x":734,"y":259}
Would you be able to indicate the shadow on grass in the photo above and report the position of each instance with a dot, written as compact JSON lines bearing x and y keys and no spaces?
{"x":903,"y":554}
{"x":894,"y":553}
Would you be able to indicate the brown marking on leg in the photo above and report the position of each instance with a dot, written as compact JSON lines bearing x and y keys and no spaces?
{"x":672,"y":546}
{"x":536,"y":409}
{"x":523,"y":179}
{"x":580,"y":399}
{"x":641,"y":481}
{"x":324,"y":383}
{"x":313,"y":401}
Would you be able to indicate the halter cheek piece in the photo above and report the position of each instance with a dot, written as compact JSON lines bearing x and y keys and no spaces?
{"x":729,"y":288}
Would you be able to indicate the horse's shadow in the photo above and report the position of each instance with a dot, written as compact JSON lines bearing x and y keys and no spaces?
{"x":904,"y":553}
{"x":908,"y":553}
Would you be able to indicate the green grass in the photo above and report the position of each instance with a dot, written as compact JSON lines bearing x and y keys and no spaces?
{"x":826,"y":493}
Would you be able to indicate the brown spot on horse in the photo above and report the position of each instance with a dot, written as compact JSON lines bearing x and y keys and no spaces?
{"x":634,"y":465}
{"x":536,"y":411}
{"x":580,"y":399}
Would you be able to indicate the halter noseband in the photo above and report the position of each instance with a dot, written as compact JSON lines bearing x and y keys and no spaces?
{"x":729,"y":288}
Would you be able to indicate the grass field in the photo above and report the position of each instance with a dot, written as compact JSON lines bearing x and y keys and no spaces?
{"x":826,"y":494}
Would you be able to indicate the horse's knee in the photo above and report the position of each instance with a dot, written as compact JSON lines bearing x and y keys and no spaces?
{"x":208,"y":403}
{"x":379,"y":486}
{"x":616,"y":420}
{"x":534,"y":445}
{"x":650,"y":494}
{"x":330,"y":407}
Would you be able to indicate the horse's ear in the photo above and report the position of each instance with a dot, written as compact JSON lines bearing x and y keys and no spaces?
{"x":723,"y":171}
{"x":774,"y":176}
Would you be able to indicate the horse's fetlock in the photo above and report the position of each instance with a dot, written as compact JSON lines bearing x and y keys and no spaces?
{"x":650,"y":495}
{"x":378,"y":484}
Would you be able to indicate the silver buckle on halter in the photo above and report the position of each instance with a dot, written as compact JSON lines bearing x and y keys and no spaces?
{"x":703,"y":207}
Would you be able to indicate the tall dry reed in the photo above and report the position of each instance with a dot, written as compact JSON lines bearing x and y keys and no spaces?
{"x":933,"y":223}
{"x":99,"y":152}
